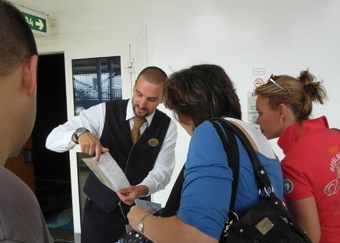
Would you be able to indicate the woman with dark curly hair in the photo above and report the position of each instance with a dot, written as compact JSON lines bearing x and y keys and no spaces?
{"x":196,"y":95}
{"x":311,"y":166}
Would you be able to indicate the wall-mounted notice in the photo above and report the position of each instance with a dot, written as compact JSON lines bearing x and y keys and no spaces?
{"x":258,"y":80}
{"x":252,"y":113}
{"x":258,"y":71}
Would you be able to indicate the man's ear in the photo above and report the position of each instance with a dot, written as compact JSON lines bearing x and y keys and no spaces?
{"x":29,"y":74}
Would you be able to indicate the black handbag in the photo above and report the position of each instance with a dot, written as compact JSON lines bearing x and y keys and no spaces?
{"x":134,"y":237}
{"x":268,"y":220}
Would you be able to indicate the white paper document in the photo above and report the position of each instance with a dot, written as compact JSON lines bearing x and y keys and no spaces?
{"x":108,"y":172}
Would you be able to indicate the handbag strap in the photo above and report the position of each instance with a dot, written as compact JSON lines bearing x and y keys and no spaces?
{"x":173,"y":202}
{"x":231,"y":149}
{"x":260,"y":172}
{"x":223,"y":128}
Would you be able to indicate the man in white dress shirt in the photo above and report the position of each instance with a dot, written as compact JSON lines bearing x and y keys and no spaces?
{"x":148,"y":164}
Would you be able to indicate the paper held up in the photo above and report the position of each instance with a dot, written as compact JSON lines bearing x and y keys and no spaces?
{"x":108,"y":172}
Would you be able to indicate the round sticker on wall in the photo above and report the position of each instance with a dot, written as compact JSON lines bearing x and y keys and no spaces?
{"x":287,"y":186}
{"x":258,"y":82}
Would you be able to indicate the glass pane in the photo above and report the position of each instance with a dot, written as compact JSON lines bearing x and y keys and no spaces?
{"x":95,"y":80}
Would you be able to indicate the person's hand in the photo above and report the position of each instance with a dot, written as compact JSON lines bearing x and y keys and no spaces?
{"x":91,"y":145}
{"x":135,"y":215}
{"x":129,"y":194}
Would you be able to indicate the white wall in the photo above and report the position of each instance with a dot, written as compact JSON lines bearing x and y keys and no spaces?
{"x":283,"y":37}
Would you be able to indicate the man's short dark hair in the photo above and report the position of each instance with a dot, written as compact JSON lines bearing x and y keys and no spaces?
{"x":16,"y":39}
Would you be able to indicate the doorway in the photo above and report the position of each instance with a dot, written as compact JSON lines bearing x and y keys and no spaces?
{"x":52,"y":170}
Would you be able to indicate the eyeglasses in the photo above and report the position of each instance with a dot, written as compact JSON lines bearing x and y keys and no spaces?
{"x":277,"y":84}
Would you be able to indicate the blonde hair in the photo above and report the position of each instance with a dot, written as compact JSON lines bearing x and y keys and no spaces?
{"x":297,"y":93}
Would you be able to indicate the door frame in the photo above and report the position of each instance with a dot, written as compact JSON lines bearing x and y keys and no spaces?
{"x":131,"y":46}
{"x":123,"y":52}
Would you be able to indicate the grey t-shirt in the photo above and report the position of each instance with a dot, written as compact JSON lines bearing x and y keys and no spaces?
{"x":21,"y":219}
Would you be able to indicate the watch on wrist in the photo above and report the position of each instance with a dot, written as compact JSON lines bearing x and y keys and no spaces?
{"x":141,"y":223}
{"x":79,"y":132}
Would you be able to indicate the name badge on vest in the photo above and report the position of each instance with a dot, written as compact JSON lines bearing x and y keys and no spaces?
{"x":153,"y":142}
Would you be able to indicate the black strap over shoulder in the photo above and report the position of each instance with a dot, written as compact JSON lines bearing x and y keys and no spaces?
{"x":229,"y":129}
{"x":226,"y":131}
{"x":260,"y":173}
{"x":173,"y":202}
{"x":231,"y":149}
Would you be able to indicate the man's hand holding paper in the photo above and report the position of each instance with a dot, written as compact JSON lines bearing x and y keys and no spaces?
{"x":129,"y":194}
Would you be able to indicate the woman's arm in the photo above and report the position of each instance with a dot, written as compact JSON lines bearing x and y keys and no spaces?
{"x":306,"y":215}
{"x":167,"y":229}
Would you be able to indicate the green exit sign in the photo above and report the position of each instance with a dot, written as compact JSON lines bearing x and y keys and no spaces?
{"x":37,"y":23}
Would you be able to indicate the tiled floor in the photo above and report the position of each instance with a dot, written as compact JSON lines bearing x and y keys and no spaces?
{"x":56,"y":204}
{"x":62,"y":235}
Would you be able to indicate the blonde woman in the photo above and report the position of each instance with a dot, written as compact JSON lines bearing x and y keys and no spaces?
{"x":311,"y":166}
